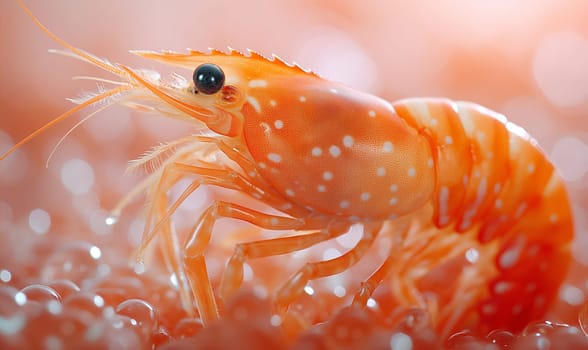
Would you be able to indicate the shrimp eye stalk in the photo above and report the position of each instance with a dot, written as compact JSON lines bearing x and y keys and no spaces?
{"x":208,"y":78}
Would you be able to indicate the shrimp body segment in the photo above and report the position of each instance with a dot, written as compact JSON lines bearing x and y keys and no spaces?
{"x":471,"y":202}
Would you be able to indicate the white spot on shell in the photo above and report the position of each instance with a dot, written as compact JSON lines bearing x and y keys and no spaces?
{"x":502,"y":287}
{"x":531,"y":168}
{"x":279,"y":124}
{"x":254,"y":103}
{"x":434,"y":122}
{"x":443,"y":205}
{"x":388,"y":147}
{"x":334,"y":91}
{"x":261,"y":165}
{"x":381,"y":171}
{"x":273,"y":103}
{"x":553,"y":218}
{"x":257,"y":83}
{"x":316,"y":151}
{"x":430,"y":163}
{"x":510,"y":257}
{"x":365,"y":196}
{"x":411,"y":172}
{"x":498,"y":203}
{"x":448,"y":140}
{"x":372,"y":113}
{"x":348,"y":141}
{"x":321,"y":188}
{"x":489,"y":309}
{"x":290,"y":193}
{"x":266,"y":128}
{"x":274,"y":157}
{"x":393,"y":188}
{"x":497,"y":188}
{"x":335,"y":151}
{"x":328,"y":176}
{"x":393,"y":201}
{"x":344,"y":204}
{"x":302,"y":99}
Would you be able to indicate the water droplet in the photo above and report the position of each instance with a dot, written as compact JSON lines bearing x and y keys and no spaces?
{"x":95,"y":252}
{"x":111,"y":220}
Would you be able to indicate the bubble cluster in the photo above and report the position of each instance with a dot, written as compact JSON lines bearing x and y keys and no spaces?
{"x":74,"y":302}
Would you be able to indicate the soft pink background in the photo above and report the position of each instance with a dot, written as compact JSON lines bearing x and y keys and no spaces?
{"x":526,"y":59}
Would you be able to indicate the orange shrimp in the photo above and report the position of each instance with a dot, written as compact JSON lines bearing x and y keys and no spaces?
{"x":472,"y":203}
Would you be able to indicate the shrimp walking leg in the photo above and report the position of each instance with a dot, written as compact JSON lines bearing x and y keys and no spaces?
{"x":295,"y":285}
{"x":207,"y":174}
{"x":368,"y":286}
{"x":233,"y":275}
{"x":385,"y":270}
{"x":194,"y":262}
{"x":171,"y":251}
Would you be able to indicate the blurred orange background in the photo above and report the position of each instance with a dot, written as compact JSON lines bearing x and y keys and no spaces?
{"x":525,"y":59}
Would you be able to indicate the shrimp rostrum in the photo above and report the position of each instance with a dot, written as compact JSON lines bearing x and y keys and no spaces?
{"x":486,"y":214}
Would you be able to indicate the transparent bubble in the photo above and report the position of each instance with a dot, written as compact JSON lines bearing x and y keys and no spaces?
{"x":40,"y":293}
{"x":74,"y":261}
{"x":583,"y":318}
{"x":538,"y":328}
{"x":90,"y":304}
{"x":140,"y":311}
{"x":63,"y":287}
{"x":187,"y":328}
{"x":500,"y":337}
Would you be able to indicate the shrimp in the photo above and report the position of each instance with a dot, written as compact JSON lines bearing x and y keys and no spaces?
{"x":471,"y":202}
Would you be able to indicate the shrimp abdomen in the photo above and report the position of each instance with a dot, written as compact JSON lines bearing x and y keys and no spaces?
{"x":493,"y":178}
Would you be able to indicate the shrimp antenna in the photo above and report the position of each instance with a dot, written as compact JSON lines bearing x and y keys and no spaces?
{"x":83,"y":55}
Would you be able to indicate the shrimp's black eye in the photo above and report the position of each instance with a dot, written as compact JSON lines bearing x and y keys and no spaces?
{"x":208,"y":78}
